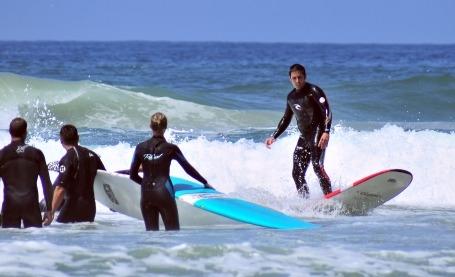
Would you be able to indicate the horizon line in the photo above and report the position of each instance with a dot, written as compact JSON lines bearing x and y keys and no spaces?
{"x":228,"y":42}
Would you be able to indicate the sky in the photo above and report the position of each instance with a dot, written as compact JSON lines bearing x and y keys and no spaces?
{"x":318,"y":21}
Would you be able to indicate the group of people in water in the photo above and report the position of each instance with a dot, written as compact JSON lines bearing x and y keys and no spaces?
{"x":72,"y":192}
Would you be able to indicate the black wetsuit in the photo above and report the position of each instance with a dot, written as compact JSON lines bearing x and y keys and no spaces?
{"x":157,"y":192}
{"x":20,"y":166}
{"x":312,"y":111}
{"x":77,"y":172}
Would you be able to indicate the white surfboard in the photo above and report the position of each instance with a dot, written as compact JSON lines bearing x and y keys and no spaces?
{"x":370,"y":192}
{"x":196,"y":204}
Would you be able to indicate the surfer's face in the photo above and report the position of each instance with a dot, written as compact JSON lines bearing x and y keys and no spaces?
{"x":297,"y":79}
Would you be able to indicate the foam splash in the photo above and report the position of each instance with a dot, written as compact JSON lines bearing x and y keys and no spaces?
{"x":249,"y":170}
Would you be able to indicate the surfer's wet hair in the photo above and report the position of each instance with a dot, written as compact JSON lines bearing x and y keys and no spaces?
{"x":158,"y":122}
{"x":297,"y":68}
{"x":18,"y":128}
{"x":69,"y":135}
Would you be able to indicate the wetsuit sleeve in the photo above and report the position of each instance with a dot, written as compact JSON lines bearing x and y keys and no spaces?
{"x":66,"y":169}
{"x":324,"y":108}
{"x":100,"y":164}
{"x":45,"y":181}
{"x":284,"y":122}
{"x":188,"y":167}
{"x":1,"y":161}
{"x":134,"y":168}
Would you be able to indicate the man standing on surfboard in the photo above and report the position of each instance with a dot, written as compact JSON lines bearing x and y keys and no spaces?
{"x":310,"y":106}
{"x":157,"y":193}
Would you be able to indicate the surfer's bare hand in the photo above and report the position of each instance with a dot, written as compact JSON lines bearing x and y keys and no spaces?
{"x":324,"y":141}
{"x":269,"y":141}
{"x":48,"y":218}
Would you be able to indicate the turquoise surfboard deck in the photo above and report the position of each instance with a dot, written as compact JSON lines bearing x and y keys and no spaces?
{"x":234,"y":208}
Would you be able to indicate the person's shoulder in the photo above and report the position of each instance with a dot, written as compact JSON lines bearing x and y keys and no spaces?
{"x":31,"y":150}
{"x":5,"y":151}
{"x":34,"y":149}
{"x":143,"y":144}
{"x":91,"y":153}
{"x":142,"y":147}
{"x":172,"y":146}
{"x":81,"y":148}
{"x":291,"y":95}
{"x":292,"y":92}
{"x":5,"y":148}
{"x":315,"y":89}
{"x":312,"y":87}
{"x":70,"y":154}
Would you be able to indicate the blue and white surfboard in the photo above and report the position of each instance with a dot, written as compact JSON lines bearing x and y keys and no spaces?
{"x":196,"y":204}
{"x":234,"y":208}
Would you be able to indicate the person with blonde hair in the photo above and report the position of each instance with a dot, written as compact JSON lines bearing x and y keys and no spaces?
{"x":157,"y":192}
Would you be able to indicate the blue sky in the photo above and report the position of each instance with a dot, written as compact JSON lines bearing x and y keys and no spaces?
{"x":331,"y":21}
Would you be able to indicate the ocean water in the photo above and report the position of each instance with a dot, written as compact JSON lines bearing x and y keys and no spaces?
{"x":393,"y":107}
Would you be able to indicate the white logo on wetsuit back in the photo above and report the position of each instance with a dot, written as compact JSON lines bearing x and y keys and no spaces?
{"x":151,"y":157}
{"x":62,"y":169}
{"x":322,"y":100}
{"x":21,"y":149}
{"x":298,"y":107}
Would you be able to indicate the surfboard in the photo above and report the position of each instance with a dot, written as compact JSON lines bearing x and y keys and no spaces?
{"x":370,"y":192}
{"x":196,"y":205}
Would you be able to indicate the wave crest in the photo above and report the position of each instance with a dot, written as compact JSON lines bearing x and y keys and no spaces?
{"x":48,"y":103}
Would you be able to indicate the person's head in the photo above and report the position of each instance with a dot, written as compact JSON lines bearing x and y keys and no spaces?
{"x":158,"y":123}
{"x":297,"y":75}
{"x":18,"y":128}
{"x":69,"y":135}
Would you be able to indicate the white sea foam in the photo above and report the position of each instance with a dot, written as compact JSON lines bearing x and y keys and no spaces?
{"x":229,"y":259}
{"x":249,"y":170}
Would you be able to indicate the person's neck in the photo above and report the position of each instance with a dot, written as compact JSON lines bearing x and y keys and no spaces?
{"x":16,"y":139}
{"x":67,"y":147}
{"x":158,"y":134}
{"x":301,"y":89}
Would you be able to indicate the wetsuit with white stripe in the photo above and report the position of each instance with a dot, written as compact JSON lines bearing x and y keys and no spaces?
{"x":157,"y":192}
{"x":314,"y":117}
{"x":77,"y":173}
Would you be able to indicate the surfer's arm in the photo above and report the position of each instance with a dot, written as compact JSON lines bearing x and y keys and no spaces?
{"x":66,"y":169}
{"x":188,"y":167}
{"x":59,"y":193}
{"x":45,"y":182}
{"x":284,"y":122}
{"x":47,"y":189}
{"x":322,"y":103}
{"x":67,"y":173}
{"x":134,"y":168}
{"x":100,"y":164}
{"x":63,"y":179}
